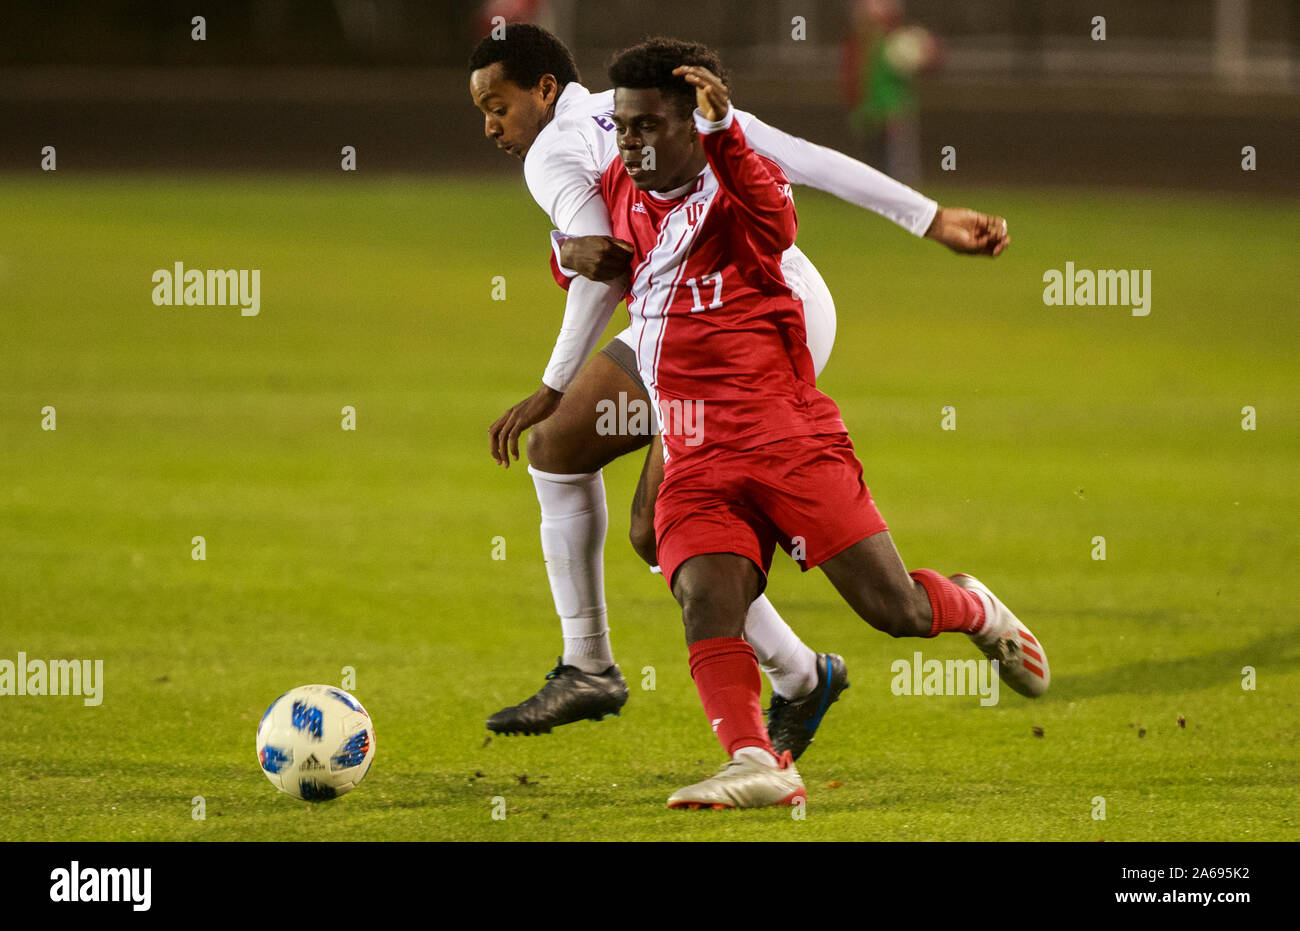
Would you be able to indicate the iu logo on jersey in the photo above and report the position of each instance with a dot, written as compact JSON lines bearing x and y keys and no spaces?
{"x":694,"y":212}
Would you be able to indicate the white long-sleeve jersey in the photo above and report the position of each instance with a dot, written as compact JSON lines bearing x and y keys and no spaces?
{"x":563,"y":169}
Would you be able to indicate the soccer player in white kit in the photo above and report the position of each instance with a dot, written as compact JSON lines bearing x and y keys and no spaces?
{"x":527,"y":87}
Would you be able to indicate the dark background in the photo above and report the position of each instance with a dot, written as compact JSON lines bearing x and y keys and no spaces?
{"x":1168,"y":100}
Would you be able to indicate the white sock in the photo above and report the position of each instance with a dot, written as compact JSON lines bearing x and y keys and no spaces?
{"x":757,"y":754}
{"x":574,"y":520}
{"x":789,"y":663}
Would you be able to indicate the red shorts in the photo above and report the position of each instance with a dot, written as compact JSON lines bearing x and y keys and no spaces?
{"x":805,"y":492}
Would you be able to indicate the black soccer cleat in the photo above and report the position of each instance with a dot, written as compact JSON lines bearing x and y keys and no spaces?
{"x":569,"y":695}
{"x":792,"y":724}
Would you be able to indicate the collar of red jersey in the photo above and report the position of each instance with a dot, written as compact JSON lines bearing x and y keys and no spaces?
{"x":679,"y":192}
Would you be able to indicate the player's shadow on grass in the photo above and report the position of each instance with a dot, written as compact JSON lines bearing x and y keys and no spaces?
{"x":1268,"y":655}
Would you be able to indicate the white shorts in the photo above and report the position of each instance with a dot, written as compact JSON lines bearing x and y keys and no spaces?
{"x":818,"y":306}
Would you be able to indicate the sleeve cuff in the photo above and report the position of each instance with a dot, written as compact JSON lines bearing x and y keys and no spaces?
{"x":926,"y":217}
{"x":558,"y":239}
{"x":706,"y":127}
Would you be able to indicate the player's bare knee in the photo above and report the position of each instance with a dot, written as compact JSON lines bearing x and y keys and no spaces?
{"x":642,"y":535}
{"x":704,"y":620}
{"x":548,"y":451}
{"x":707,"y":613}
{"x":698,"y":615}
{"x":537,"y":446}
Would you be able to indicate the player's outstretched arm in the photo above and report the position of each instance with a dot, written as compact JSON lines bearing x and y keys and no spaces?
{"x":850,"y":180}
{"x":964,"y":231}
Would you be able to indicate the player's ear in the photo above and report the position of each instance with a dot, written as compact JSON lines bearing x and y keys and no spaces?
{"x":549,"y":88}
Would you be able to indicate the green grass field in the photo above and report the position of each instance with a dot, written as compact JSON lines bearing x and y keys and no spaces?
{"x":372,"y":549}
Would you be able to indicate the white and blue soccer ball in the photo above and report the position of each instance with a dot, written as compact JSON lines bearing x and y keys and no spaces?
{"x":315,"y":743}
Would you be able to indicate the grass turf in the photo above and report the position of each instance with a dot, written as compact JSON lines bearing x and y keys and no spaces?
{"x":373,"y":548}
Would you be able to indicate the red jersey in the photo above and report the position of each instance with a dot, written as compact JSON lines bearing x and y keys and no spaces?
{"x":719,"y":335}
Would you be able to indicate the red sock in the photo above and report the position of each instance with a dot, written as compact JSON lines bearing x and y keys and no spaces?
{"x":953,"y":607}
{"x":725,"y":671}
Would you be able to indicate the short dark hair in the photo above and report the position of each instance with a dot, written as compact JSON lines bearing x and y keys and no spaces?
{"x":651,"y":64}
{"x":526,"y":53}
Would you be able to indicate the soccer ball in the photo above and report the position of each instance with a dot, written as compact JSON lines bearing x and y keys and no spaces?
{"x":315,"y":742}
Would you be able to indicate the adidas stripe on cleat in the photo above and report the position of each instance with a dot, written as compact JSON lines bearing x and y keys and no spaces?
{"x":1022,"y":661}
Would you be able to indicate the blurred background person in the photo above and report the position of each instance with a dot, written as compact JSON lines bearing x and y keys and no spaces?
{"x":514,"y":11}
{"x":882,"y":57}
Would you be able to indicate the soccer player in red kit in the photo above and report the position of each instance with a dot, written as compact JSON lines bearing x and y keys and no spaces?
{"x":754,"y":454}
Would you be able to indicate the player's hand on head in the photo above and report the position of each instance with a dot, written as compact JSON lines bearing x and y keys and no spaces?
{"x":969,"y":232}
{"x":503,"y":435}
{"x":600,"y":258}
{"x":711,"y":95}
